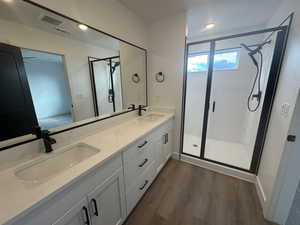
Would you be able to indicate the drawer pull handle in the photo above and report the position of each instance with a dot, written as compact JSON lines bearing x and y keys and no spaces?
{"x":146,"y":182}
{"x":86,"y":213}
{"x":142,"y":145}
{"x":96,"y":213}
{"x":143,"y":163}
{"x":166,"y":136}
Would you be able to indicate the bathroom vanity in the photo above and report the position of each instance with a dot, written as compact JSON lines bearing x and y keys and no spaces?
{"x":76,"y":145}
{"x":97,"y":180}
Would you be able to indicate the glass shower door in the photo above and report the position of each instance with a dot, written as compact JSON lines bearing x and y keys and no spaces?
{"x":196,"y":82}
{"x":103,"y":86}
{"x":232,"y":127}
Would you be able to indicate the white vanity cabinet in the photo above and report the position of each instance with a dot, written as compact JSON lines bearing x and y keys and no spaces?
{"x":77,"y":215}
{"x":163,"y":146}
{"x":168,"y":142}
{"x":103,"y":206}
{"x":139,"y":170}
{"x":107,"y":202}
{"x":107,"y":193}
{"x":143,"y":160}
{"x":76,"y":205}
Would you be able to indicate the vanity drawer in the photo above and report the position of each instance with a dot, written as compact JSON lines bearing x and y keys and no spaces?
{"x":140,"y":186}
{"x":136,"y":160}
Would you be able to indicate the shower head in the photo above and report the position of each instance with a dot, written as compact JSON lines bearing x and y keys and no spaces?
{"x":251,"y":54}
{"x":257,"y":49}
{"x":115,"y":66}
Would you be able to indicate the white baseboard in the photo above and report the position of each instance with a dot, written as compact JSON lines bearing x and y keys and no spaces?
{"x":217,"y":168}
{"x":261,"y":194}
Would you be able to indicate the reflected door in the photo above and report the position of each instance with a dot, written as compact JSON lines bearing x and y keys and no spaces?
{"x":17,"y":115}
{"x":106,"y":76}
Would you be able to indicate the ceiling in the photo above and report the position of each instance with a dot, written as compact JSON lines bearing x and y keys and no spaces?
{"x":227,"y":14}
{"x":31,"y":16}
{"x":30,"y":56}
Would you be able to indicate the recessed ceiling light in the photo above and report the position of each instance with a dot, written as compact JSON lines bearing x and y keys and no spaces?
{"x":210,"y":25}
{"x":82,"y":27}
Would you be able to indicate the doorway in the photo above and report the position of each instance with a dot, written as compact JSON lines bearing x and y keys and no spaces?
{"x":229,"y":87}
{"x":49,"y":88}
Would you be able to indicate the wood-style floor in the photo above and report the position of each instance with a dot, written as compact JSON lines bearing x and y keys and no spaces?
{"x":188,"y":195}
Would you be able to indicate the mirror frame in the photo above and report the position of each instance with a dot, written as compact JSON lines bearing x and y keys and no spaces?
{"x":91,"y":120}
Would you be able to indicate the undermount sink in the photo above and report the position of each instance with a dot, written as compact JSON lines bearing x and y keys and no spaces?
{"x":152,"y":117}
{"x":55,"y":163}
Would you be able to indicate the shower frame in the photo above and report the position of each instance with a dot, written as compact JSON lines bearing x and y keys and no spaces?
{"x":278,"y":55}
{"x":91,"y":60}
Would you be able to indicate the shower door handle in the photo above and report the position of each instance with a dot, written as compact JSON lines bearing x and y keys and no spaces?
{"x":214,"y":106}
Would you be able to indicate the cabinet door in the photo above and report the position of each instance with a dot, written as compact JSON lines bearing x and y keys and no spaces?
{"x":107,"y":202}
{"x":159,"y":153}
{"x":17,"y":114}
{"x":168,"y":144}
{"x":77,"y":215}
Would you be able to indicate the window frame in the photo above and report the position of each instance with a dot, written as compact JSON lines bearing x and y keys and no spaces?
{"x":227,"y":50}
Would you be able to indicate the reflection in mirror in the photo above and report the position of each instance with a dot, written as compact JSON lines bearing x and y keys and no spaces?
{"x":106,"y":75}
{"x":56,"y":72}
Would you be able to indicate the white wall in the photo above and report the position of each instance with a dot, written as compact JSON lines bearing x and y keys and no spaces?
{"x":133,"y":62}
{"x":286,"y":93}
{"x":289,"y":176}
{"x":49,"y":91}
{"x":166,"y":54}
{"x":109,"y":16}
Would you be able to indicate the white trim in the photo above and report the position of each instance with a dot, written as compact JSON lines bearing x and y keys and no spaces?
{"x":261,"y":194}
{"x":217,"y":168}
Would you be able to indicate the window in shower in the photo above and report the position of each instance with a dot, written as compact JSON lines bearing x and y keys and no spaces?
{"x":226,"y":59}
{"x":218,"y":125}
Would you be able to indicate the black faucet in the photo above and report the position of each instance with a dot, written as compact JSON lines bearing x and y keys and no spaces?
{"x":48,"y":141}
{"x":141,"y":108}
{"x":132,"y":107}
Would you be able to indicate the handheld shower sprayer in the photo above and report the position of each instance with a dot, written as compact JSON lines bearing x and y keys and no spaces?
{"x":257,"y":80}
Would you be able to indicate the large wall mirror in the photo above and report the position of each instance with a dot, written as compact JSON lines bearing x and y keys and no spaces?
{"x":56,"y":73}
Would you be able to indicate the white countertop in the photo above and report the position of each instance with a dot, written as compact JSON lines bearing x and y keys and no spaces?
{"x":19,"y":197}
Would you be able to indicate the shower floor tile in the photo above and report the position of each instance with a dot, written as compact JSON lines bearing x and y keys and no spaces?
{"x":231,"y":153}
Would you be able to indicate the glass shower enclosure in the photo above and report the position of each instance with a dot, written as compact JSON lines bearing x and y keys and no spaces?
{"x":230,"y":83}
{"x":106,"y":85}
